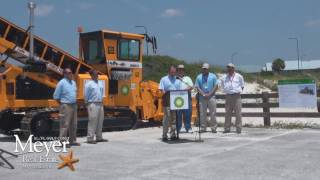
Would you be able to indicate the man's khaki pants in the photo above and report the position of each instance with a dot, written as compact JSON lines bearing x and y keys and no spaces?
{"x":95,"y":124}
{"x":169,"y":121}
{"x":206,"y":103}
{"x":68,"y":122}
{"x":233,"y":104}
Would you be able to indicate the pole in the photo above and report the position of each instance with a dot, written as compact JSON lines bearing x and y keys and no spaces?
{"x":266,"y":109}
{"x":177,"y":124}
{"x":146,"y":34}
{"x":232,"y":55}
{"x":298,"y":54}
{"x":198,"y":113}
{"x":31,"y":6}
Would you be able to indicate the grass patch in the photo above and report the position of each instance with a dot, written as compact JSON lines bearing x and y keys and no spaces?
{"x":155,"y":67}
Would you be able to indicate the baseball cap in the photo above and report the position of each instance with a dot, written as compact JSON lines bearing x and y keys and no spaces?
{"x":205,"y":66}
{"x":231,"y":65}
{"x":180,"y":66}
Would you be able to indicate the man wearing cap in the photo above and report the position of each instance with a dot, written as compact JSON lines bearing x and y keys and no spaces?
{"x":206,"y":83}
{"x":232,"y":84}
{"x":169,"y":83}
{"x":186,"y":84}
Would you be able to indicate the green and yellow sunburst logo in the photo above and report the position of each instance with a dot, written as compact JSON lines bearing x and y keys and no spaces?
{"x":178,"y":102}
{"x":125,"y":90}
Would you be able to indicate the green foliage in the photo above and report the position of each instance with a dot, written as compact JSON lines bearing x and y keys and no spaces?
{"x":270,"y":80}
{"x":248,"y":77}
{"x":278,"y":65}
{"x":155,"y":67}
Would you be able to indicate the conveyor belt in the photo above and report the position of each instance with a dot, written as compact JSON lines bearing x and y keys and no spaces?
{"x":14,"y":42}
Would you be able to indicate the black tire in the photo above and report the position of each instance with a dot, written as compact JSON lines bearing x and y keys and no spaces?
{"x":9,"y":121}
{"x":41,"y":125}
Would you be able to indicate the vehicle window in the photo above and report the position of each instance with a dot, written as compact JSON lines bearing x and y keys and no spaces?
{"x":129,"y":49}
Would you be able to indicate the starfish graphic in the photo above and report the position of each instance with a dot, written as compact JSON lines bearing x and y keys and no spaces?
{"x":67,"y":161}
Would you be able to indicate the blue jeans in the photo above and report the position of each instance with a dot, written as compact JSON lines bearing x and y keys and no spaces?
{"x":186,"y":116}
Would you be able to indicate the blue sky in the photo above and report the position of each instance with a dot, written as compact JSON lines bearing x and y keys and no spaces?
{"x":207,"y":30}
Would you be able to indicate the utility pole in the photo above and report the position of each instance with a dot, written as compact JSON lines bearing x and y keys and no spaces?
{"x":298,"y":53}
{"x":232,"y":55}
{"x":31,"y":6}
{"x":146,"y":34}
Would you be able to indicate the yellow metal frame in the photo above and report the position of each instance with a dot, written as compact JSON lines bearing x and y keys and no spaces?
{"x":143,"y":96}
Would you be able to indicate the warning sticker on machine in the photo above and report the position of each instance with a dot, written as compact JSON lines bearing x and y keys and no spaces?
{"x":133,"y":85}
{"x":124,"y":64}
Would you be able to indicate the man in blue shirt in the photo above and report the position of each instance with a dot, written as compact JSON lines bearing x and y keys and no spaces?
{"x":93,"y":96}
{"x":66,"y":94}
{"x":206,"y":83}
{"x":169,"y":83}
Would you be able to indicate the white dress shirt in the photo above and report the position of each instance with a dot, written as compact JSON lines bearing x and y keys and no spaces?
{"x":186,"y":83}
{"x":232,"y":84}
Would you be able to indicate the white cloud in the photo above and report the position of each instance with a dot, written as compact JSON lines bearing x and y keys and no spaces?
{"x":43,"y":10}
{"x":178,"y":36}
{"x":171,"y":13}
{"x":312,"y":23}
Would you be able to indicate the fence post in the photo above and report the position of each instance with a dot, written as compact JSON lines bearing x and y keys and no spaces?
{"x":266,"y":109}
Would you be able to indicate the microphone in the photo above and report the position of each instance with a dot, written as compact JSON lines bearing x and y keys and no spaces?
{"x":177,"y":77}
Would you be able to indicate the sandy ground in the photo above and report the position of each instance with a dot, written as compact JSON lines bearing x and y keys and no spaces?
{"x":257,"y":153}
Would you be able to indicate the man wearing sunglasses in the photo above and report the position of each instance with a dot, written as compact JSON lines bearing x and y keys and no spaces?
{"x":66,"y":94}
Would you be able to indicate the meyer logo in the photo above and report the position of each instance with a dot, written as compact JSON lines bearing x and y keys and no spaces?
{"x":39,"y":146}
{"x":42,"y":152}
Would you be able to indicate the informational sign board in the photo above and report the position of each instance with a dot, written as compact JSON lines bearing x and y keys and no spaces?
{"x":297,"y":93}
{"x":101,"y":83}
{"x":179,"y":100}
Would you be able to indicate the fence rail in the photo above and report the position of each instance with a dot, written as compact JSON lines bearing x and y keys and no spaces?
{"x":265,"y":104}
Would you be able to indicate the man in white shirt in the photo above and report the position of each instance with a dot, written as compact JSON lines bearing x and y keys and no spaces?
{"x":232,"y":84}
{"x":185,"y":114}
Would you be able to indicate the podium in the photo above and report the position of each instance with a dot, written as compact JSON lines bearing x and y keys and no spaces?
{"x":176,"y":100}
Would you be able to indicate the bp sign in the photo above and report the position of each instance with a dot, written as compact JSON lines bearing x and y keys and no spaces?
{"x":179,"y":100}
{"x":125,"y":90}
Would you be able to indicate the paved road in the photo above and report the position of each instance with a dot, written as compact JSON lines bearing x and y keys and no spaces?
{"x":256,"y":154}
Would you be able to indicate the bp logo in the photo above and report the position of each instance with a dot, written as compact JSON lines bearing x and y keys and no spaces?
{"x":125,"y":90}
{"x":178,"y":102}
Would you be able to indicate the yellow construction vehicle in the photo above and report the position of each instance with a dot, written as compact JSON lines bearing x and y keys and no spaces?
{"x":26,"y":88}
